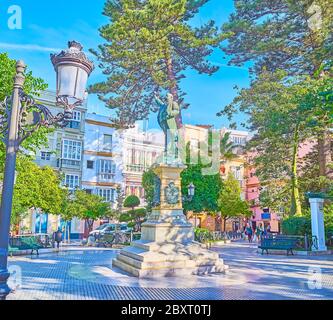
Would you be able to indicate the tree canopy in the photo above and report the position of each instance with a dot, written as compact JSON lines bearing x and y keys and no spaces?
{"x":149,"y":45}
{"x":288,"y":45}
{"x":85,"y":206}
{"x":33,"y":85}
{"x":36,"y":187}
{"x":131,"y":201}
{"x":280,"y":34}
{"x":230,"y":203}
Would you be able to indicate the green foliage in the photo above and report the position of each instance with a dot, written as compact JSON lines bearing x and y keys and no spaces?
{"x":149,"y":46}
{"x":201,"y":233}
{"x":297,"y":226}
{"x":278,"y":35}
{"x":289,"y":101}
{"x":35,"y":187}
{"x":227,"y":147}
{"x":301,"y":225}
{"x":207,"y":189}
{"x":32,"y":86}
{"x":134,"y":217}
{"x":230,"y":203}
{"x":148,"y":180}
{"x":284,"y":113}
{"x":131,"y":201}
{"x":85,"y":206}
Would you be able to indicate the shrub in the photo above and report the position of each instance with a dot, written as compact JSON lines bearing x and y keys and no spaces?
{"x":297,"y":226}
{"x":199,"y":233}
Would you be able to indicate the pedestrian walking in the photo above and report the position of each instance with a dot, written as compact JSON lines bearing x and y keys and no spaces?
{"x":259,"y":232}
{"x":58,"y":237}
{"x":249,"y":233}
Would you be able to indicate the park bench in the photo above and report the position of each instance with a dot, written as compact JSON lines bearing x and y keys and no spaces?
{"x":11,"y":250}
{"x":278,"y":243}
{"x":32,"y":244}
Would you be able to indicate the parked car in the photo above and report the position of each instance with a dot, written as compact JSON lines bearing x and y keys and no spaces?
{"x":109,"y":228}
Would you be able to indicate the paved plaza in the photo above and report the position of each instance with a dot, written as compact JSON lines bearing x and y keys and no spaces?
{"x":86,"y":274}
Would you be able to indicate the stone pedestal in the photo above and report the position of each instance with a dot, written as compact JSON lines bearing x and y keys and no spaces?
{"x":167,"y":246}
{"x":317,"y":222}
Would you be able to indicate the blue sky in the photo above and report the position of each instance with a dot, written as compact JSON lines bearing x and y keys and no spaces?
{"x":48,"y":25}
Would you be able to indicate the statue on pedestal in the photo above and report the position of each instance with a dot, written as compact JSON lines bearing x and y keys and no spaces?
{"x":167,"y":246}
{"x":169,"y":119}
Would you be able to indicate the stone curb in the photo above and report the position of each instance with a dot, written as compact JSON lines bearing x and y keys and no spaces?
{"x":55,"y":250}
{"x":298,"y":253}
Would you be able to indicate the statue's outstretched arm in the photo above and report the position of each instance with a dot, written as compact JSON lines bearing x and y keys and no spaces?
{"x":159,"y":101}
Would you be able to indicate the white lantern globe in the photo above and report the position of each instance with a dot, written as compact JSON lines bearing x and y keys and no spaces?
{"x":73,"y":69}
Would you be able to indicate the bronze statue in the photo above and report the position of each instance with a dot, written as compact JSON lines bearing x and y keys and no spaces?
{"x":169,"y":119}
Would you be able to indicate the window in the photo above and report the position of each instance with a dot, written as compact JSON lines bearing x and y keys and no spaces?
{"x":89,"y":191}
{"x":72,"y":150}
{"x":107,"y":194}
{"x":90,"y":164}
{"x":194,"y":144}
{"x":74,"y":123}
{"x":236,"y":172}
{"x":241,"y":141}
{"x":107,"y":142}
{"x":45,"y":155}
{"x":72,"y":181}
{"x":107,"y":169}
{"x":76,"y":116}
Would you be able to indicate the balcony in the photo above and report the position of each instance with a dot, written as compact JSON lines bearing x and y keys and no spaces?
{"x":74,"y":125}
{"x":106,"y":177}
{"x":136,"y":168}
{"x":70,"y":164}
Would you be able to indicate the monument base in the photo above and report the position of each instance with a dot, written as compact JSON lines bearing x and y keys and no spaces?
{"x":167,"y":246}
{"x":152,"y":259}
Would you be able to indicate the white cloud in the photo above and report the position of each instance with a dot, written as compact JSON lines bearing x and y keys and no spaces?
{"x":29,"y":47}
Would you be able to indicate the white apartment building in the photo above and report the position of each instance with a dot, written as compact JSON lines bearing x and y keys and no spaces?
{"x":102,"y":159}
{"x":141,"y":149}
{"x":65,"y":154}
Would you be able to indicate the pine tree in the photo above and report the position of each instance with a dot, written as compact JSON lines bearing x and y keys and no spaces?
{"x":292,"y":35}
{"x":149,"y":45}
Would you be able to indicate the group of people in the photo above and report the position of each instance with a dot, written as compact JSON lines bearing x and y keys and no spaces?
{"x":256,"y":234}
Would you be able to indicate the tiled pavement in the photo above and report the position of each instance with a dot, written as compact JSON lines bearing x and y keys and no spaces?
{"x":86,"y":274}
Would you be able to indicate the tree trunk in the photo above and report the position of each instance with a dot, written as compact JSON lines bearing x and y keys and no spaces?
{"x":90,"y":224}
{"x":324,"y":154}
{"x":224,"y":224}
{"x":296,"y":207}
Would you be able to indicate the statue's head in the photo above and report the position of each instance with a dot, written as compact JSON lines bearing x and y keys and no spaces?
{"x":170,"y":98}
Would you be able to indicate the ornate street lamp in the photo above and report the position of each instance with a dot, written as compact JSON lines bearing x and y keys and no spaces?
{"x":189,"y":198}
{"x":191,"y":191}
{"x":21,"y":115}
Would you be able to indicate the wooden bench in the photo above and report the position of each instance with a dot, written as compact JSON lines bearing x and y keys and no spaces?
{"x":278,"y":243}
{"x":32,"y":244}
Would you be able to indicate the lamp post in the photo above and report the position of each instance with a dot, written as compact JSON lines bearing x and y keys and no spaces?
{"x":191,"y":193}
{"x":21,"y":116}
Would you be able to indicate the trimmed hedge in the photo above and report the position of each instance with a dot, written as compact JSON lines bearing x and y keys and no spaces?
{"x":296,"y":226}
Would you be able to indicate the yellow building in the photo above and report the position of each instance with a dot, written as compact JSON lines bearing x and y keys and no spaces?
{"x":194,"y":135}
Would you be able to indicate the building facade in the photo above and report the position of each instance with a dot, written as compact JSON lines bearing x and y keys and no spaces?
{"x":64,"y":153}
{"x":141,"y":149}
